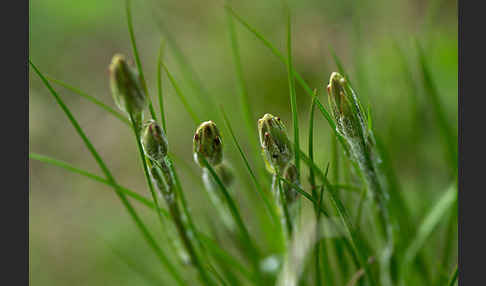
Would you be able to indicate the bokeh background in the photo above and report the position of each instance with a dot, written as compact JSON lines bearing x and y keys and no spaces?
{"x":79,"y":232}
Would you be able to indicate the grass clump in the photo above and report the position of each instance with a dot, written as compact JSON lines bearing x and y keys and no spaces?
{"x":299,"y":223}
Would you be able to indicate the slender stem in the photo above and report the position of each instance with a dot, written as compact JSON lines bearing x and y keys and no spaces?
{"x":165,"y":183}
{"x":159,"y":86}
{"x":137,"y":57}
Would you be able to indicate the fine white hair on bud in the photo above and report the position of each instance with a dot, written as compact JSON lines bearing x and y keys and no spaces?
{"x":276,"y":147}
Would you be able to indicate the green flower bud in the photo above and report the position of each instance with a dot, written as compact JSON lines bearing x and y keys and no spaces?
{"x":290,"y":174}
{"x":277,"y":150}
{"x":154,"y":141}
{"x":346,"y":110}
{"x":208,"y":144}
{"x":126,"y":86}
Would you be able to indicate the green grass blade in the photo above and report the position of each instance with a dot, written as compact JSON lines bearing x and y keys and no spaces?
{"x":243,"y":92}
{"x":312,"y":176}
{"x":263,"y":195}
{"x":356,"y":239}
{"x":340,"y":65}
{"x":453,"y":278}
{"x":227,"y":258}
{"x":137,"y":57}
{"x":137,"y":268}
{"x":138,"y":222}
{"x":141,"y":199}
{"x":236,"y":215}
{"x":293,"y":96}
{"x":181,"y":96}
{"x":430,"y":222}
{"x":94,"y":100}
{"x":279,"y":55}
{"x":449,"y":138}
{"x":159,"y":86}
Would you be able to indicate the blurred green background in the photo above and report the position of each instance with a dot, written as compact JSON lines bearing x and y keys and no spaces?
{"x":79,"y":232}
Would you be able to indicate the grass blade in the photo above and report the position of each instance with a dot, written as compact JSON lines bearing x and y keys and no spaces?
{"x":138,"y":222}
{"x":254,"y":253}
{"x":453,"y":278}
{"x":77,"y":91}
{"x":293,"y":97}
{"x":269,"y":206}
{"x":159,"y":86}
{"x":430,"y":222}
{"x":247,"y":112}
{"x":137,"y":56}
{"x":181,"y":96}
{"x":141,"y":199}
{"x":431,"y":91}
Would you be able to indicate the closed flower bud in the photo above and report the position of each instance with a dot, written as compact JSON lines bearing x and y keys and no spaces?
{"x":154,"y":141}
{"x":346,"y":110}
{"x":126,"y":86}
{"x":291,"y":175}
{"x":277,"y":150}
{"x":208,"y":144}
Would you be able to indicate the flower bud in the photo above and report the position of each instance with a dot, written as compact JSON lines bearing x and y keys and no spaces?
{"x":276,"y":147}
{"x":291,"y":175}
{"x":345,"y":107}
{"x":154,"y":141}
{"x":126,"y":86}
{"x":208,"y":144}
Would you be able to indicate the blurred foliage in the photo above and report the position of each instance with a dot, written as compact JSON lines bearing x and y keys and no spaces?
{"x":75,"y":223}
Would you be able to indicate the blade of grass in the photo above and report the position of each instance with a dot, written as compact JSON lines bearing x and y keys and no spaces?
{"x":159,"y":86}
{"x":48,"y":160}
{"x":293,"y":97}
{"x":263,"y":195}
{"x":181,"y":96}
{"x":453,"y":278}
{"x":137,"y":57}
{"x":449,"y":139}
{"x":356,"y":239}
{"x":138,"y":222}
{"x":228,"y":259}
{"x":77,"y":91}
{"x":340,"y":65}
{"x":429,"y":223}
{"x":243,"y":92}
{"x":137,"y":268}
{"x":254,"y":252}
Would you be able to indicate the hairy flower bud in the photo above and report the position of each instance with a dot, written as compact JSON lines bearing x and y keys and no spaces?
{"x":346,"y":110}
{"x":126,"y":86}
{"x":208,"y":144}
{"x":290,"y":174}
{"x":154,"y":141}
{"x":275,"y":144}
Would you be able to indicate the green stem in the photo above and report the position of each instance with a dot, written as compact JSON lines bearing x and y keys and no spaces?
{"x":161,"y":175}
